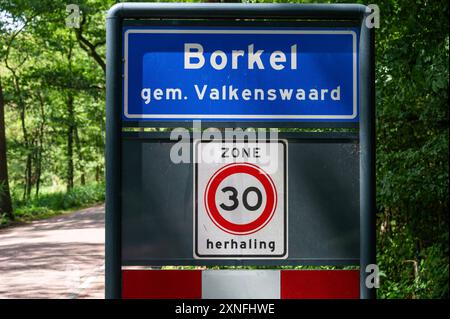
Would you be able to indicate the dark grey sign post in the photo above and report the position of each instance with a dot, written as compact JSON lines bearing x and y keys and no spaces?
{"x":138,"y":163}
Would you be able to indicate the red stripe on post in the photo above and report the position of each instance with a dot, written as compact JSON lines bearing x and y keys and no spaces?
{"x":161,"y":284}
{"x":319,"y":284}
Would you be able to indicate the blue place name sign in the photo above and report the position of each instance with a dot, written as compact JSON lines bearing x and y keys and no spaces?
{"x":236,"y":74}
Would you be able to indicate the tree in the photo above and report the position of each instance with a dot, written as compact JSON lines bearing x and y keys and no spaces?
{"x":5,"y":196}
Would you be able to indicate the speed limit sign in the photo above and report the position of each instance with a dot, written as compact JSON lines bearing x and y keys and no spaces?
{"x":240,"y":199}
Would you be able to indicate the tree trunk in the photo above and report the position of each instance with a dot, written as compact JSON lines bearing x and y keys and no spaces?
{"x":80,"y":157}
{"x":28,"y":174}
{"x":89,"y":47}
{"x":27,"y":177}
{"x":97,"y":173}
{"x":70,"y":129}
{"x":40,"y":145}
{"x":70,"y":125}
{"x":38,"y":169}
{"x":26,"y":140}
{"x":5,"y":196}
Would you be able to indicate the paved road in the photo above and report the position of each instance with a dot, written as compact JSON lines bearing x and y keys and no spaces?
{"x":60,"y":257}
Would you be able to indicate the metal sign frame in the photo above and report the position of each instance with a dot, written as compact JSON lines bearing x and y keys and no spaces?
{"x":321,"y":14}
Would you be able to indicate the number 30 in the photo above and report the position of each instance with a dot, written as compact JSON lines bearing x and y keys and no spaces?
{"x":234,"y":199}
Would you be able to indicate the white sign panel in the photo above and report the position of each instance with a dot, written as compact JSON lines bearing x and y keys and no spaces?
{"x":240,"y":200}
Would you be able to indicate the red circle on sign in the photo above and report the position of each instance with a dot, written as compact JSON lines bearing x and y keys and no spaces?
{"x":210,"y":198}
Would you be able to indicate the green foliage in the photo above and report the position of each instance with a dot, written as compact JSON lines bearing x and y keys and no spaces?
{"x":4,"y":220}
{"x":79,"y":196}
{"x":425,"y":276}
{"x":412,"y":148}
{"x":50,"y":204}
{"x":44,"y":65}
{"x":31,"y":212}
{"x":82,"y":196}
{"x":434,"y":268}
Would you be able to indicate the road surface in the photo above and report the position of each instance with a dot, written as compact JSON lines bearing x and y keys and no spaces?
{"x":59,"y":257}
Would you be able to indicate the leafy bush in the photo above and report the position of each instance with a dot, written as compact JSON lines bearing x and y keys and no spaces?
{"x":82,"y":196}
{"x":49,"y":204}
{"x":434,"y":270}
{"x":410,"y":272}
{"x":4,"y":220}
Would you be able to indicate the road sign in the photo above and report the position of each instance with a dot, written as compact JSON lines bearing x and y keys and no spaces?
{"x":240,"y":195}
{"x":261,"y":74}
{"x":240,"y":65}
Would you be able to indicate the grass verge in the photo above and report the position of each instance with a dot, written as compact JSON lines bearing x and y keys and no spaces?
{"x":52,"y":204}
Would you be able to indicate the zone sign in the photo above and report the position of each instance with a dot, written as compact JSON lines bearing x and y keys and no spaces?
{"x":240,"y":199}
